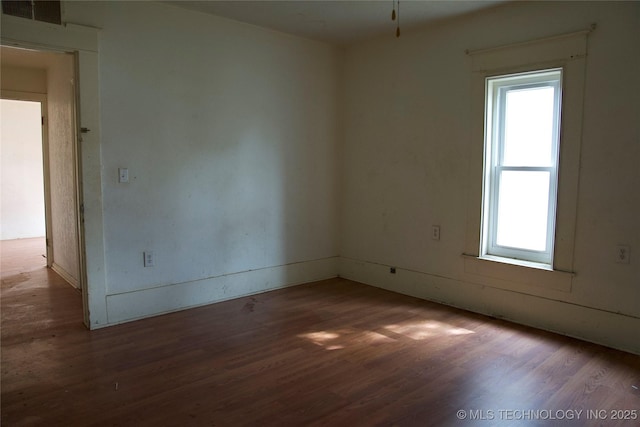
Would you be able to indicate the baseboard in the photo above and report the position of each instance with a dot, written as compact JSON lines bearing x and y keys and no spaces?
{"x":65,"y":275}
{"x":590,"y":324}
{"x":143,"y":303}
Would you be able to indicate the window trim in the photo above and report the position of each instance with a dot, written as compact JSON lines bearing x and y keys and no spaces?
{"x":566,"y":51}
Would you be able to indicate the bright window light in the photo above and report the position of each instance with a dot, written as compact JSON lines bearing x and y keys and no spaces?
{"x":528,"y":127}
{"x":523,"y":204}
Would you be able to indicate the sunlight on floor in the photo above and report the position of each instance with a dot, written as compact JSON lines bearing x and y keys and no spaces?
{"x":323,"y":338}
{"x":331,"y":340}
{"x":426,"y":329}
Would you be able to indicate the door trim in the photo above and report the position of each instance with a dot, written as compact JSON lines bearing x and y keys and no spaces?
{"x":83,"y":41}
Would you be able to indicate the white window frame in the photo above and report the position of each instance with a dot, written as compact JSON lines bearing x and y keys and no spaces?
{"x":495,"y":98}
{"x":565,"y":51}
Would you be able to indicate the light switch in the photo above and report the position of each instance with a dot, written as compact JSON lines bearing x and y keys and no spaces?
{"x":149,"y":260}
{"x":123,"y":175}
{"x":435,"y":232}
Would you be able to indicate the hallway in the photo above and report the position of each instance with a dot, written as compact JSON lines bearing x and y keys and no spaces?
{"x":31,"y":291}
{"x":39,"y":309}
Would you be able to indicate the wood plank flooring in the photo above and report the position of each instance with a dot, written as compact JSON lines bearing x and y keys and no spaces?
{"x":331,"y":353}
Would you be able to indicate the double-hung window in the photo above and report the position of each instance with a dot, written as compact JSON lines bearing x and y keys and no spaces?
{"x":525,"y":163}
{"x":522,"y":128}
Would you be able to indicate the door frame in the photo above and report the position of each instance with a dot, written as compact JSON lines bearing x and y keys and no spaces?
{"x":83,"y":42}
{"x":46,"y":168}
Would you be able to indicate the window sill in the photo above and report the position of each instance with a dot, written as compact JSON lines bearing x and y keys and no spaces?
{"x":520,"y":262}
{"x":515,"y":274}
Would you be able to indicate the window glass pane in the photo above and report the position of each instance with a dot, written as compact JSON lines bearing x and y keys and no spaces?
{"x":523,"y":201}
{"x":528,"y":127}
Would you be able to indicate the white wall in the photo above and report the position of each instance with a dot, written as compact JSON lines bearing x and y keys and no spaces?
{"x":407,"y":139}
{"x":229,"y":133}
{"x":22,"y":175}
{"x":22,"y":213}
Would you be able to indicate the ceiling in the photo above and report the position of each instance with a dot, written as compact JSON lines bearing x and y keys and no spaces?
{"x":338,"y":22}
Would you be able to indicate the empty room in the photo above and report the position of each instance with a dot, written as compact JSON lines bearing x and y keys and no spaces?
{"x":292,"y":213}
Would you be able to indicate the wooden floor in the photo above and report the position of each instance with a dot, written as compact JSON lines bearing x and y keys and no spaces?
{"x":334,"y":353}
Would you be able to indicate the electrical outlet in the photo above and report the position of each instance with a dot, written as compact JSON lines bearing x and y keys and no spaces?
{"x":149,"y":259}
{"x":435,"y":232}
{"x":622,"y":254}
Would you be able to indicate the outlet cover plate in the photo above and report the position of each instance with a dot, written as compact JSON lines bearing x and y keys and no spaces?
{"x":622,"y":254}
{"x":149,"y":259}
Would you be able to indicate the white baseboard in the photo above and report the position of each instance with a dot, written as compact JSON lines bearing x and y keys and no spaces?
{"x":590,"y":324}
{"x":586,"y":323}
{"x":65,"y":275}
{"x":151,"y":302}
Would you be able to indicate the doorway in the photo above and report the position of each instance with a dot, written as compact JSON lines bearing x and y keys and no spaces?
{"x":22,"y":143}
{"x":45,"y":81}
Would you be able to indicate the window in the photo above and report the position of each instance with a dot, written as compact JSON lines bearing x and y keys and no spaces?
{"x":524,"y":165}
{"x":522,"y":114}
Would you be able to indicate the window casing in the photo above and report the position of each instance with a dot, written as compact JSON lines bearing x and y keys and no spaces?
{"x":565,"y":52}
{"x":522,"y":127}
